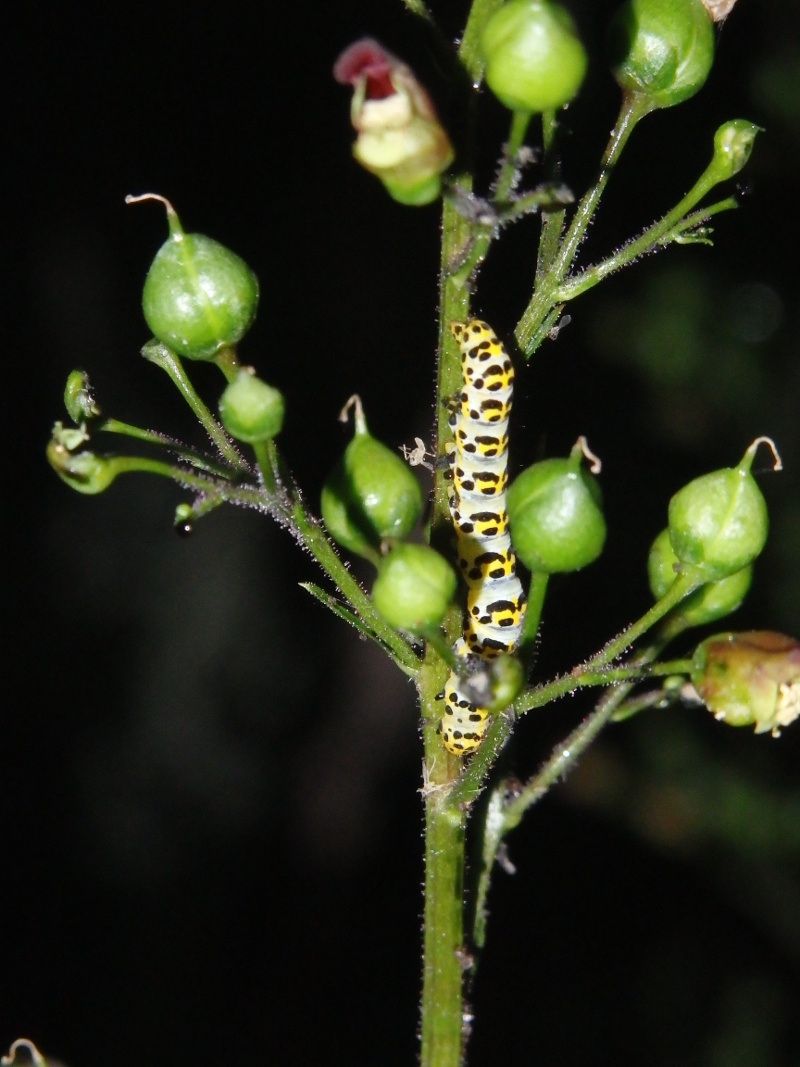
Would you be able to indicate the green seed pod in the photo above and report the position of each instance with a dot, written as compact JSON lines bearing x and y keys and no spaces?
{"x":661,"y":50}
{"x":534,"y":59}
{"x":370,"y":495}
{"x":710,"y":602}
{"x":184,"y":516}
{"x":749,"y":679}
{"x":78,"y":398}
{"x":199,"y":297}
{"x":250,"y":410}
{"x":414,"y":588}
{"x":555,"y":515}
{"x":718,"y":523}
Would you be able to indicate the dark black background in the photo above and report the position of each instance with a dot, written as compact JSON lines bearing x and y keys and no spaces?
{"x":208,"y":808}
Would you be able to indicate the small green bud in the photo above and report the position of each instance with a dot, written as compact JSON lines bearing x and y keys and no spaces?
{"x":555,"y":515}
{"x":414,"y":588}
{"x":733,"y":143}
{"x":371,"y":494}
{"x":718,"y":523}
{"x":184,"y":517}
{"x":710,"y":602}
{"x":534,"y":59}
{"x":489,"y":684}
{"x":84,"y":471}
{"x":506,"y":679}
{"x":199,"y":297}
{"x":749,"y":679}
{"x":400,"y":139}
{"x":250,"y":410}
{"x":78,"y":398}
{"x":661,"y":50}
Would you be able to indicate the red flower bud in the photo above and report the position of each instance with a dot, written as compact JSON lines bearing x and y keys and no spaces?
{"x":400,"y":139}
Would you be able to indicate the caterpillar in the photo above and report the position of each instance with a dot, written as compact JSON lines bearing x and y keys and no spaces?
{"x":478,"y":460}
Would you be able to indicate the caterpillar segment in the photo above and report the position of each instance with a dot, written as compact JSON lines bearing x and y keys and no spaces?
{"x":478,"y":459}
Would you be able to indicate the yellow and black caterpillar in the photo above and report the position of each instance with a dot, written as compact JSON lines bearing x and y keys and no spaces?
{"x":478,"y":458}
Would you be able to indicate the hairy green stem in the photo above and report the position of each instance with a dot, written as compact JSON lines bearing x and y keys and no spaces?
{"x":684,"y":584}
{"x":152,"y":437}
{"x":166,"y":359}
{"x":442,"y":1007}
{"x":323,"y":551}
{"x":279,"y":487}
{"x":268,"y":465}
{"x":554,"y":269}
{"x":594,"y":672}
{"x":311,"y":535}
{"x":442,"y":1010}
{"x":506,"y":809}
{"x":563,"y":756}
{"x":533,"y":611}
{"x":670,"y":228}
{"x":469,"y":51}
{"x":143,"y":464}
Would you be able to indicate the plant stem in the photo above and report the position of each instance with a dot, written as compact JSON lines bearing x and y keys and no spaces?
{"x":152,"y":437}
{"x":666,"y":230}
{"x":143,"y":464}
{"x":442,"y":1018}
{"x":280,"y":490}
{"x":505,"y":810}
{"x":533,"y":611}
{"x":168,"y":361}
{"x":444,"y":872}
{"x":562,"y":757}
{"x":595,"y":672}
{"x":468,"y":52}
{"x":528,"y":332}
{"x":484,"y":233}
{"x":441,"y":1009}
{"x":567,"y":752}
{"x":441,"y":1021}
{"x":684,"y":584}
